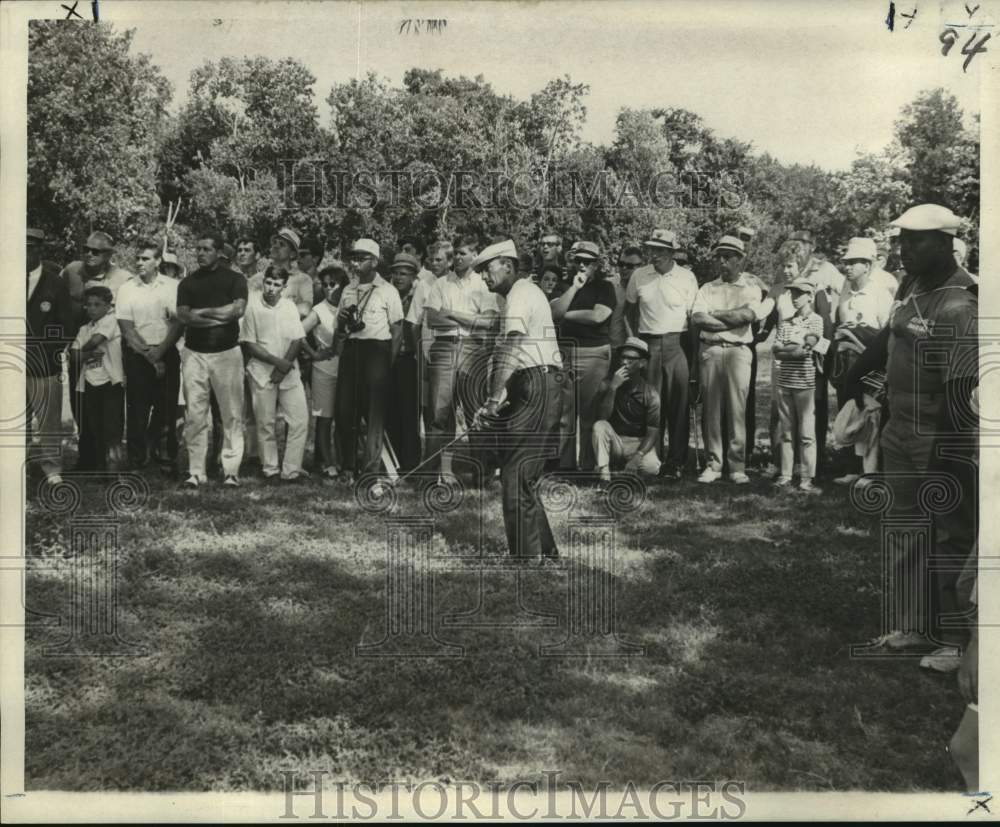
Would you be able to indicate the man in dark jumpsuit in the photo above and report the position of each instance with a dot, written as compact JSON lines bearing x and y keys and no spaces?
{"x":930,"y":353}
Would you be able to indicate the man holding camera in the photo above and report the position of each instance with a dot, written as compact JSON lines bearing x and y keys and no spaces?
{"x":370,"y":324}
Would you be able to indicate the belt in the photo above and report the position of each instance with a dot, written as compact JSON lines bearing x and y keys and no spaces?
{"x":448,"y":339}
{"x":543,"y":368}
{"x":724,"y":344}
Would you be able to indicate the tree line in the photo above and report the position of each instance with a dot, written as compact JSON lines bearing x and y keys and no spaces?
{"x":105,"y":151}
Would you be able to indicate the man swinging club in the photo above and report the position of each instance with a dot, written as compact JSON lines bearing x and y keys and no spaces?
{"x":527,"y":371}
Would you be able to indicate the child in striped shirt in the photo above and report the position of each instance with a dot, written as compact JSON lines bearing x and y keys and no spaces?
{"x":794,"y":343}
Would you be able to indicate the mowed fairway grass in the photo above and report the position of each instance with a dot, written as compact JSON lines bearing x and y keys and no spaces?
{"x":250,"y":604}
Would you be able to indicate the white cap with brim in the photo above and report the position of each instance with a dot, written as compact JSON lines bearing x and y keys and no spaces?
{"x":861,"y":248}
{"x":367,"y":246}
{"x":926,"y":217}
{"x":729,"y":244}
{"x":503,"y":249}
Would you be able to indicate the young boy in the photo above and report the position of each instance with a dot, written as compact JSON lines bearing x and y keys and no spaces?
{"x":794,"y":344}
{"x":97,"y":356}
{"x":271,"y":334}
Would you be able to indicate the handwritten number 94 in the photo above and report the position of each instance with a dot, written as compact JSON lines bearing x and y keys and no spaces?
{"x":950,"y":36}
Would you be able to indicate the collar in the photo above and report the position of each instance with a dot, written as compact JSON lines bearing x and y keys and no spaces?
{"x":36,"y":273}
{"x":740,"y":281}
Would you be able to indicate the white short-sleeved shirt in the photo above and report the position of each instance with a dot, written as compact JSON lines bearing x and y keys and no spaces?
{"x":527,"y":311}
{"x":468,"y":294}
{"x":720,"y":295}
{"x":150,"y":307}
{"x":665,"y":300}
{"x":380,"y":305}
{"x":274,"y":329}
{"x":869,"y":306}
{"x":105,"y":363}
{"x":421,"y":292}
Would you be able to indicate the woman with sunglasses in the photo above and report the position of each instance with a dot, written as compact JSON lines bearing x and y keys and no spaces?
{"x":583,"y":314}
{"x":322,"y":323}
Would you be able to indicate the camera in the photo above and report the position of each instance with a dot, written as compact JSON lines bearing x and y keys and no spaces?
{"x":354,"y":323}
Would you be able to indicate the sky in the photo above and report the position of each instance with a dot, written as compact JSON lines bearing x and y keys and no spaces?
{"x":807,"y":82}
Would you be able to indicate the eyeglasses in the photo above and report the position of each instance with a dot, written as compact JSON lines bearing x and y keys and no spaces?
{"x":96,"y":251}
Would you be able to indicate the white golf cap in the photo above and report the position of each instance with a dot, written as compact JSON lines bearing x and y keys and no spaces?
{"x":859,"y":247}
{"x":503,"y":249}
{"x":925,"y":217}
{"x":367,"y":246}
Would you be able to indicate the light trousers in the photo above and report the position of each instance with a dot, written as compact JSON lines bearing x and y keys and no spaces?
{"x":613,"y":451}
{"x":587,"y":367}
{"x":221,"y":374}
{"x":797,"y":415}
{"x":270,"y":403}
{"x":725,"y":383}
{"x":44,"y":403}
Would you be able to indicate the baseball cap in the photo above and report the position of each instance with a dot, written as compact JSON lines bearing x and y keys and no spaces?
{"x":804,"y":286}
{"x":729,"y":244}
{"x":405,"y":260}
{"x":634,"y":343}
{"x":665,"y":239}
{"x":585,"y":249}
{"x":35,"y":235}
{"x":366,"y":246}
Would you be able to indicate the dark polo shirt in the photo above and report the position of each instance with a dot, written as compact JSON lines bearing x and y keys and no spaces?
{"x":211,"y":288}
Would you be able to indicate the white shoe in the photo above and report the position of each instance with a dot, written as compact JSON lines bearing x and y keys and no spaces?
{"x":231,"y":481}
{"x":709,"y":475}
{"x":54,"y":479}
{"x":946,"y":659}
{"x":739,"y":478}
{"x":807,"y":487}
{"x":192,"y":482}
{"x":771,"y":471}
{"x":847,"y":479}
{"x":783,"y":482}
{"x":898,"y":640}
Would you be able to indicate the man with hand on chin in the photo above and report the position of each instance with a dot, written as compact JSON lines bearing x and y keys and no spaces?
{"x":528,"y":374}
{"x":628,"y":416}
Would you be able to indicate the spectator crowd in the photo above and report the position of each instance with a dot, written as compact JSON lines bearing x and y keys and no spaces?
{"x":390,"y":362}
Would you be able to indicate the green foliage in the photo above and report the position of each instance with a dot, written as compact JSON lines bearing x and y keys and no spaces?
{"x":95,"y":112}
{"x":439,"y":155}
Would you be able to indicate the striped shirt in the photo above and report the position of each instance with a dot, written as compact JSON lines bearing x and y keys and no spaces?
{"x":798,"y":373}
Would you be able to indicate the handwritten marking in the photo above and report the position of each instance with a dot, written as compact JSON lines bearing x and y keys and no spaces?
{"x":971,"y":11}
{"x":95,"y":10}
{"x":911,"y":16}
{"x":890,"y":19}
{"x":72,"y":11}
{"x":414,"y":25}
{"x":982,"y":803}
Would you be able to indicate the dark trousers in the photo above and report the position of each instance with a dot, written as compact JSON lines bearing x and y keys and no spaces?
{"x":101,"y":423}
{"x":362,"y":383}
{"x":669,"y":373}
{"x":402,"y":414}
{"x":528,"y":436}
{"x":751,"y":415}
{"x":151,"y":407}
{"x":955,"y":533}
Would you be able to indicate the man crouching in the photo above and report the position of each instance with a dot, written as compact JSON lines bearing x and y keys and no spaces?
{"x":627,"y":414}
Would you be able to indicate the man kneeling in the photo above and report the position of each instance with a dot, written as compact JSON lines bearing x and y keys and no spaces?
{"x":627,"y":415}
